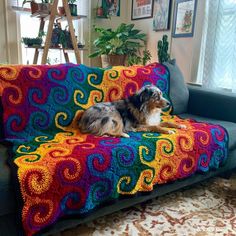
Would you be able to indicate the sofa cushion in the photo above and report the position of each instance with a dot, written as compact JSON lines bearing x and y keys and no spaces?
{"x":7,"y":197}
{"x":179,"y":93}
{"x":229,"y":126}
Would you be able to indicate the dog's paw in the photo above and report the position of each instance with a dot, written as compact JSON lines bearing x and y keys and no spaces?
{"x":125,"y":135}
{"x":171,"y":132}
{"x":182,"y":127}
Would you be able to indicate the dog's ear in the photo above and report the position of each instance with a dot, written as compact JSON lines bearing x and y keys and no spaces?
{"x":135,"y":100}
{"x":145,"y":95}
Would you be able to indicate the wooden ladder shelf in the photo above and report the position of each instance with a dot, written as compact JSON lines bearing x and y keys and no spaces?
{"x":49,"y":33}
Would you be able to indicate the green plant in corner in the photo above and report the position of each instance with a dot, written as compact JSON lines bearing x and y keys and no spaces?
{"x":124,"y":40}
{"x":162,"y":48}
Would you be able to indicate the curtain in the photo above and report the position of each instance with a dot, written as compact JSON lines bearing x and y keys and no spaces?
{"x":217,"y":66}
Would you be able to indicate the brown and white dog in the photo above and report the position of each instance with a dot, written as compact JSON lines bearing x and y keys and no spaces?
{"x":140,"y":112}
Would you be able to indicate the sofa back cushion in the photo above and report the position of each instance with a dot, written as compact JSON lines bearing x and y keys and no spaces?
{"x":179,"y":93}
{"x":43,"y":100}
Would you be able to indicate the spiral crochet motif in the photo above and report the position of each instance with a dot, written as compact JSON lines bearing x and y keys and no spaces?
{"x":62,"y":172}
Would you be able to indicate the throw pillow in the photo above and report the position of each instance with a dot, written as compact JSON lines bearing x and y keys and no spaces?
{"x":179,"y":93}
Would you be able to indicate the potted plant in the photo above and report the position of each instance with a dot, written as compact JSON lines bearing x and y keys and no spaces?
{"x":56,"y":33}
{"x":99,"y":11}
{"x":73,"y":7}
{"x":143,"y":58}
{"x":162,"y":49}
{"x":43,"y":6}
{"x":115,"y":46}
{"x":34,"y":42}
{"x":61,"y":11}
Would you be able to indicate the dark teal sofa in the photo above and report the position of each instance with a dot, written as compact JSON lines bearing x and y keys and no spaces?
{"x":188,"y":102}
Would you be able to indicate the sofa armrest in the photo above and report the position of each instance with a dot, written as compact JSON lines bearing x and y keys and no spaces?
{"x":1,"y":121}
{"x":213,"y":104}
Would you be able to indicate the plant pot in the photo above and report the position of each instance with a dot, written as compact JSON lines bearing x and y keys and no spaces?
{"x":80,"y":45}
{"x":99,"y":11}
{"x":73,"y":9}
{"x":61,"y":11}
{"x":40,"y":8}
{"x":34,"y":7}
{"x":44,"y":7}
{"x":112,"y":60}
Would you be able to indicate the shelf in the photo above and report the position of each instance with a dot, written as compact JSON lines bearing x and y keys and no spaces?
{"x":73,"y":17}
{"x":21,"y":9}
{"x":45,"y":15}
{"x":52,"y":16}
{"x":56,"y":48}
{"x":41,"y":14}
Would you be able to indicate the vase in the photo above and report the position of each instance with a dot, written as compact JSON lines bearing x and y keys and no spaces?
{"x":40,"y":8}
{"x":61,"y":11}
{"x":73,"y":9}
{"x":99,"y":11}
{"x":113,"y":60}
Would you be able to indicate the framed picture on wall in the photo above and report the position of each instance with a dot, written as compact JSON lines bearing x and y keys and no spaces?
{"x":111,"y":7}
{"x":141,"y":9}
{"x":184,"y":18}
{"x":161,"y":15}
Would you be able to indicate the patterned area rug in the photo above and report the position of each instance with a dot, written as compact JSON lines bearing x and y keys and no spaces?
{"x":205,"y":209}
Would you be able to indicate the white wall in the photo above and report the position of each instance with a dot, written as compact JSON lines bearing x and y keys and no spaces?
{"x":146,"y":25}
{"x":185,"y":50}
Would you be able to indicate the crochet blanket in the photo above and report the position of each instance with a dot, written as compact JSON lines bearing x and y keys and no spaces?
{"x":61,"y":172}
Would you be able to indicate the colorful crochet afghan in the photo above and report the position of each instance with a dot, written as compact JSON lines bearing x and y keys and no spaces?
{"x":62,"y":172}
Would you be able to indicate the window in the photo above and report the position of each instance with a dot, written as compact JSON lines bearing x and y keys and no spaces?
{"x":217,"y":67}
{"x":55,"y":56}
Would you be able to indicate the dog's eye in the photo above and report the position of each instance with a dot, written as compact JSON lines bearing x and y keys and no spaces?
{"x":151,"y":93}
